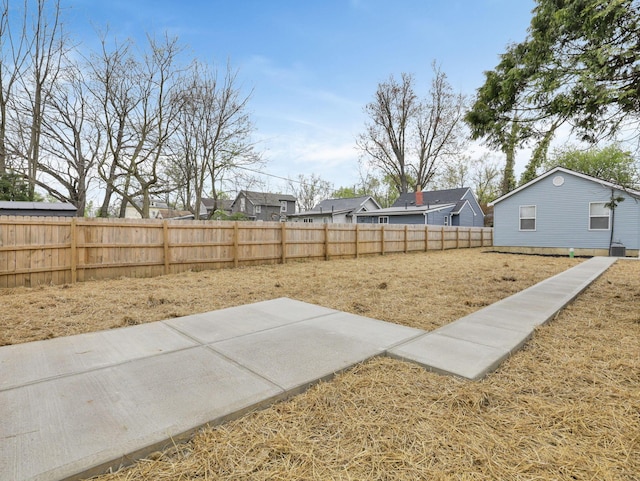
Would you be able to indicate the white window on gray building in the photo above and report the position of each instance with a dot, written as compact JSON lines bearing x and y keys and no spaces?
{"x":243,"y":204}
{"x":283,"y":206}
{"x":307,"y":219}
{"x":383,"y":219}
{"x":599,"y":215}
{"x":527,"y":217}
{"x":257,"y":209}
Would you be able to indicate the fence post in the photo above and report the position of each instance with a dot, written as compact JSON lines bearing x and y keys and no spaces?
{"x":382,"y":239}
{"x":284,"y":241}
{"x":326,"y":241}
{"x":426,"y":237}
{"x":481,"y":236}
{"x":442,"y":238}
{"x":165,"y":240}
{"x":469,"y":237}
{"x":458,"y":238}
{"x":74,"y":251}
{"x":235,"y":244}
{"x":357,"y":239}
{"x":406,"y":238}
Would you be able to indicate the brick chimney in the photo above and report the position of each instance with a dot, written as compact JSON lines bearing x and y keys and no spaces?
{"x":418,"y":198}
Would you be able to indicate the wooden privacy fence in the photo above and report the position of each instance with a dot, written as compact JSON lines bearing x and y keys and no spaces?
{"x":61,"y":250}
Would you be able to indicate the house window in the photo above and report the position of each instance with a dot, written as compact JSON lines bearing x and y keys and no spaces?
{"x":307,"y":219}
{"x":283,"y":206}
{"x":243,"y":204}
{"x":446,"y":220}
{"x":527,"y":217}
{"x":258,"y":209}
{"x":383,"y":219}
{"x":599,"y":216}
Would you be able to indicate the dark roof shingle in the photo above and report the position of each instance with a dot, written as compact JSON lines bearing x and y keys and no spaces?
{"x":445,"y":196}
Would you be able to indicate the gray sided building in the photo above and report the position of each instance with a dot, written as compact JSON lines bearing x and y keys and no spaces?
{"x":337,"y":211}
{"x":449,"y":207}
{"x":264,"y":206}
{"x":562,"y":210}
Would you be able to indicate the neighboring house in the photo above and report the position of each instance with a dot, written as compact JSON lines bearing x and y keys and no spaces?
{"x":455,"y":207}
{"x":38,"y":209}
{"x":220,"y":205}
{"x":155,"y":206}
{"x":264,"y":206}
{"x":337,"y":211}
{"x":563,"y":209}
{"x":161,"y":210}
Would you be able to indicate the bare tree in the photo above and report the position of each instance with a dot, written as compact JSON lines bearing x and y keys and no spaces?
{"x":13,"y":57}
{"x":113,"y":86}
{"x":139,"y":106}
{"x":309,"y":190}
{"x":390,"y":116}
{"x":32,"y":47}
{"x":46,"y":49}
{"x":406,"y":138}
{"x":455,"y":173}
{"x":212,"y":139}
{"x":481,"y":173}
{"x":70,"y":140}
{"x":439,"y":128}
{"x":485,"y":178}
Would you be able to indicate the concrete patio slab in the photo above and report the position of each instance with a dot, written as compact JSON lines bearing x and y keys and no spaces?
{"x":73,"y":407}
{"x":318,"y":348}
{"x":238,"y":321}
{"x":40,"y":360}
{"x":84,"y":423}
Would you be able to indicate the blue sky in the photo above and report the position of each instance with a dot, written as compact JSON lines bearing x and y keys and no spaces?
{"x":314,"y":65}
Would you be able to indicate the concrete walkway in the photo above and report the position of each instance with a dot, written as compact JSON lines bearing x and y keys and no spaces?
{"x":476,"y":344}
{"x":72,"y":407}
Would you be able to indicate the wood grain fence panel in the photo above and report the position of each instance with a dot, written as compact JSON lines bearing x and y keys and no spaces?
{"x":435,"y":238}
{"x":305,"y":240}
{"x":370,"y":239}
{"x":199,"y":246}
{"x":259,"y":243}
{"x":415,"y":238}
{"x":449,"y":237}
{"x":394,"y":238}
{"x":342,"y":240}
{"x":4,"y":255}
{"x":60,"y":250}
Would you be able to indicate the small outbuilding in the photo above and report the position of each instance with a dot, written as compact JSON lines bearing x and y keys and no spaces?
{"x":38,"y":209}
{"x":563,"y":210}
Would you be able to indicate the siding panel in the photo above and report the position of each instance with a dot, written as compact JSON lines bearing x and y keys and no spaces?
{"x":562,"y":217}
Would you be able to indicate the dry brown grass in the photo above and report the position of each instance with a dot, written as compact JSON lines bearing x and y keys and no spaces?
{"x":418,"y":290}
{"x":566,"y":407}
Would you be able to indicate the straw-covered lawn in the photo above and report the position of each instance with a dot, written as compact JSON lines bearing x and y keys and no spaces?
{"x":565,"y":407}
{"x":419,"y":290}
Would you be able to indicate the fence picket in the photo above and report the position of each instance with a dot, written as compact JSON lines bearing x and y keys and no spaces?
{"x":37,"y":250}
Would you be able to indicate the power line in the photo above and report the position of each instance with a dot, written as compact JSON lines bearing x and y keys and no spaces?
{"x":272,"y":175}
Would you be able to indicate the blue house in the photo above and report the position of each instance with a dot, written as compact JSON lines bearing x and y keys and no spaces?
{"x":564,"y":209}
{"x":456,"y":207}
